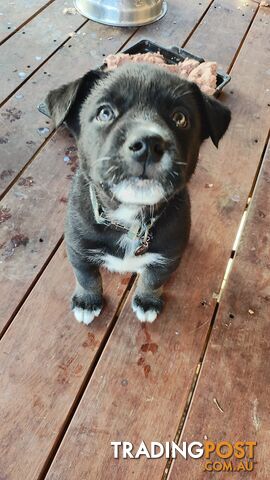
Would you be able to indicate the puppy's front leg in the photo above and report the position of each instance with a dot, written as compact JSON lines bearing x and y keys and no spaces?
{"x":147,"y":301}
{"x":87,"y":300}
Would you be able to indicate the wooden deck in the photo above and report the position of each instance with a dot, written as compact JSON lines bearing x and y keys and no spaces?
{"x":201,"y":371}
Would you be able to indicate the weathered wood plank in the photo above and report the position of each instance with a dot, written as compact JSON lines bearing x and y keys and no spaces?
{"x":30,"y":46}
{"x":44,"y":358}
{"x":231,"y":19}
{"x":178,"y":23}
{"x":32,"y":219}
{"x":147,"y":373}
{"x":22,"y":128}
{"x":236,"y":366}
{"x":14,"y":14}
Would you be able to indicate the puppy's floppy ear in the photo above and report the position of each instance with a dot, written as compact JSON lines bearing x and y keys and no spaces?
{"x":63,"y":104}
{"x":215,"y":116}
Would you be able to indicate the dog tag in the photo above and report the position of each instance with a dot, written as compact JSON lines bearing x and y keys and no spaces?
{"x":142,"y":248}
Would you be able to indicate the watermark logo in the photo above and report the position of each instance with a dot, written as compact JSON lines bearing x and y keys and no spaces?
{"x":237,"y":457}
{"x":228,"y":457}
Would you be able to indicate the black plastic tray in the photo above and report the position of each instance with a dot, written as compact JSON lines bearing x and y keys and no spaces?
{"x":174,"y":55}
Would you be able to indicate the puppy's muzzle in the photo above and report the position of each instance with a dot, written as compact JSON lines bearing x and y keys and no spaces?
{"x":147,"y":149}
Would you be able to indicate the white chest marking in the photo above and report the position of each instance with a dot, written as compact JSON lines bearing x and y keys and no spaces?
{"x":125,"y":214}
{"x":130,"y":263}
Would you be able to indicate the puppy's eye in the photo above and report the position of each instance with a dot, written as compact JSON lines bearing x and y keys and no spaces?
{"x":105,"y":114}
{"x":180,"y":120}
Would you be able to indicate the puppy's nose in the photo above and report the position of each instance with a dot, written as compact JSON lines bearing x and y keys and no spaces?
{"x":148,"y":149}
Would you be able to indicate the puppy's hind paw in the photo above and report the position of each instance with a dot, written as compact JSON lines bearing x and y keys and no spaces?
{"x":146,"y":311}
{"x":85,"y":309}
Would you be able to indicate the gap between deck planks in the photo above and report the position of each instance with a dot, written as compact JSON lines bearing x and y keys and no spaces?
{"x":19,"y":323}
{"x":16,"y":14}
{"x":24,"y":53}
{"x":147,"y":371}
{"x":38,"y":424}
{"x":236,"y":366}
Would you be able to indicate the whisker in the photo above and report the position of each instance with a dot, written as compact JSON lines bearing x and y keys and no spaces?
{"x":88,"y":183}
{"x":165,"y":198}
{"x":105,"y":158}
{"x":101,"y":159}
{"x":151,"y":212}
{"x":112,"y":168}
{"x":183,"y":94}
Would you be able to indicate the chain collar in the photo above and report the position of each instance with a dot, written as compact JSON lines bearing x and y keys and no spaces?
{"x":135,"y":232}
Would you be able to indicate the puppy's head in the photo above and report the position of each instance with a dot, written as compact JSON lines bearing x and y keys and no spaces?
{"x":138,"y":129}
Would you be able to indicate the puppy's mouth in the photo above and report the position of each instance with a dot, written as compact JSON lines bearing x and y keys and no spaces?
{"x":139,"y":191}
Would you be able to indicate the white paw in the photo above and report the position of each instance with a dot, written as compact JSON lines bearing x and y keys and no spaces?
{"x":144,"y":316}
{"x":85,"y":316}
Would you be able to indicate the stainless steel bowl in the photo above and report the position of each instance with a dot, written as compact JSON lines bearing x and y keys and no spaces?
{"x":122,"y":13}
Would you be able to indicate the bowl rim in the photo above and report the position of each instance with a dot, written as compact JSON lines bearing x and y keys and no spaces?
{"x":134,"y":23}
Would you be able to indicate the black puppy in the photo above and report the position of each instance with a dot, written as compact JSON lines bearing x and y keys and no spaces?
{"x":138,"y":130}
